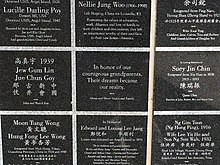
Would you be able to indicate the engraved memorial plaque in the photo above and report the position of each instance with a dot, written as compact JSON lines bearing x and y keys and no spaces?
{"x":35,"y":81}
{"x":112,"y":81}
{"x":187,"y":140}
{"x":187,"y":81}
{"x":188,"y":23}
{"x":37,"y":140}
{"x":111,"y":140}
{"x":35,"y":23}
{"x":112,"y":23}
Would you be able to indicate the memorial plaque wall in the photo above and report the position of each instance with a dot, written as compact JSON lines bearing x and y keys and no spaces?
{"x":71,"y":65}
{"x":75,"y":78}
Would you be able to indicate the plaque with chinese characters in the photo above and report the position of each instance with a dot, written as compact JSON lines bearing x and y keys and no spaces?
{"x":37,"y":140}
{"x":186,"y":139}
{"x":35,"y":81}
{"x":186,"y":81}
{"x":111,"y":139}
{"x":188,"y":23}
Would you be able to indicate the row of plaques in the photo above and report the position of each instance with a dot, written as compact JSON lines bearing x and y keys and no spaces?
{"x":98,"y":23}
{"x":49,"y":140}
{"x":108,"y":23}
{"x":104,"y":80}
{"x":109,"y":140}
{"x":108,"y":81}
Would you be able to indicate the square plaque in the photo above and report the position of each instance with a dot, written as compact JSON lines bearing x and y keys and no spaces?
{"x":187,"y":81}
{"x":112,"y":81}
{"x":187,"y":140}
{"x":37,"y":140}
{"x":35,"y":23}
{"x":188,"y":23}
{"x":35,"y":80}
{"x":112,"y":23}
{"x":111,"y":140}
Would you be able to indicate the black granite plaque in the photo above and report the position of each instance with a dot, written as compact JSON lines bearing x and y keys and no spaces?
{"x":186,"y":140}
{"x":111,"y":140}
{"x":112,"y":23}
{"x":112,"y":81}
{"x":35,"y":23}
{"x":35,"y":81}
{"x":187,"y":81}
{"x":188,"y":23}
{"x":43,"y":140}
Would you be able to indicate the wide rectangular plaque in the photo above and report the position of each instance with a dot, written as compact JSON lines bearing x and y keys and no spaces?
{"x":112,"y":23}
{"x":187,"y":140}
{"x":187,"y":81}
{"x":112,"y":80}
{"x":35,"y":80}
{"x":188,"y":23}
{"x":35,"y":23}
{"x":37,"y":140}
{"x":111,"y":140}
